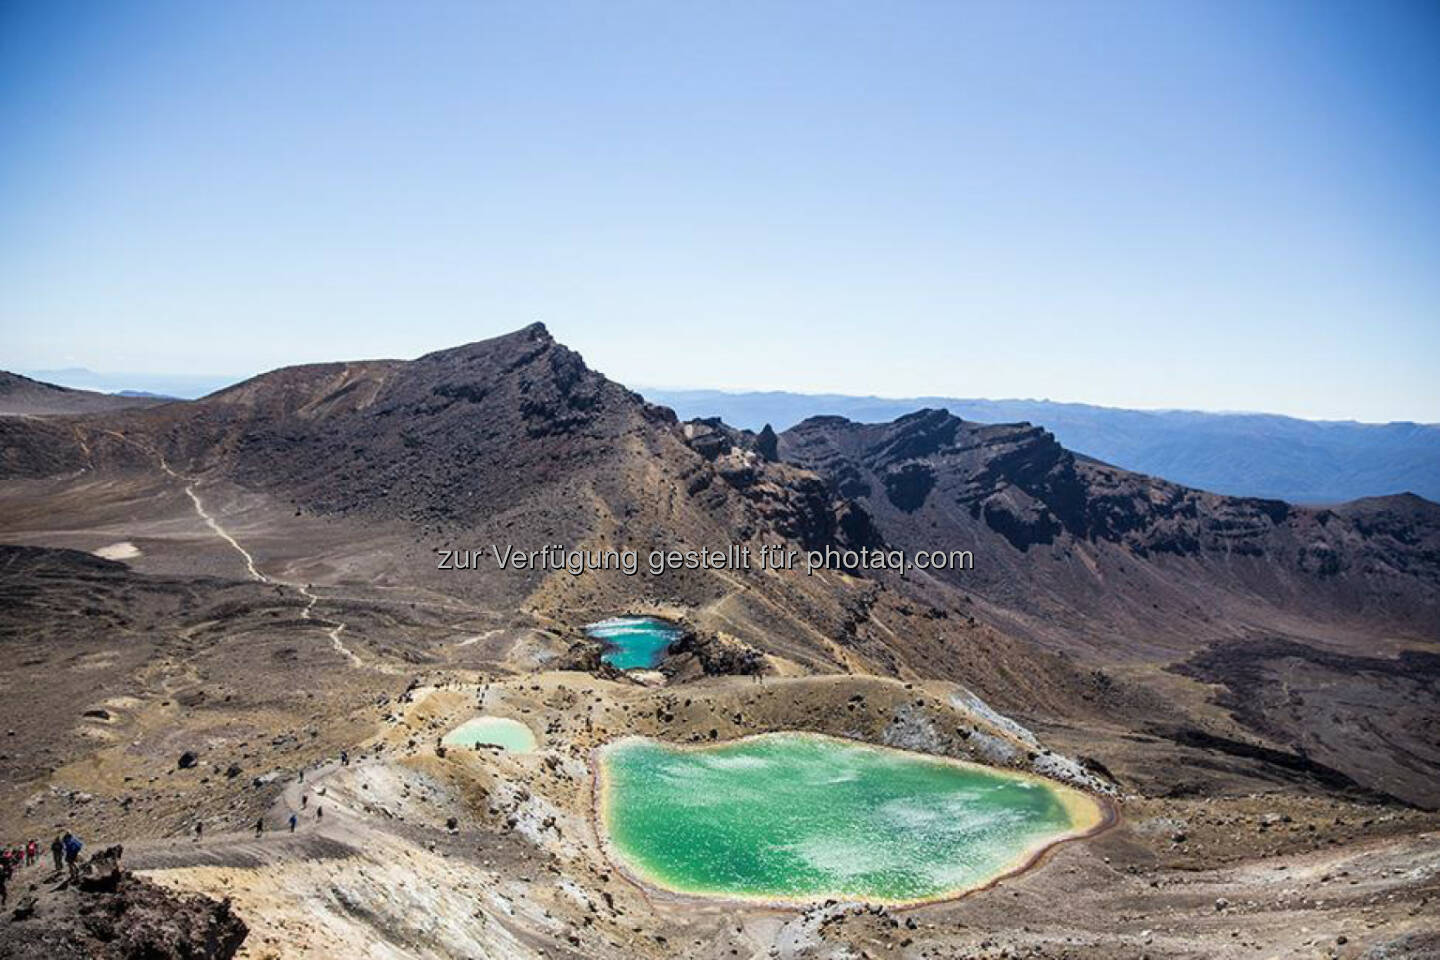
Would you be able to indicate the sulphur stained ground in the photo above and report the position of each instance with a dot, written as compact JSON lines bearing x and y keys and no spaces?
{"x":800,"y":817}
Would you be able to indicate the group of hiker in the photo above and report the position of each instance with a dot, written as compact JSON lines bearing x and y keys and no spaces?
{"x":64,"y":850}
{"x":294,"y":820}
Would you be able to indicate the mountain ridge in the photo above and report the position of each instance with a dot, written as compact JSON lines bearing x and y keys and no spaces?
{"x":24,"y":396}
{"x":1243,"y":454}
{"x":1079,"y":566}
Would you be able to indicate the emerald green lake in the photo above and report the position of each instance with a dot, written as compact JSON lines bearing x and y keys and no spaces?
{"x":500,"y":732}
{"x":800,"y":817}
{"x":634,"y":643}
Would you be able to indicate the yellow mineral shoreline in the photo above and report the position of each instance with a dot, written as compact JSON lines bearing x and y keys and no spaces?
{"x":1089,"y":816}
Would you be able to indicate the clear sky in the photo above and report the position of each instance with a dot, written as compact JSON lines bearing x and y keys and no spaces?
{"x":1222,"y":205}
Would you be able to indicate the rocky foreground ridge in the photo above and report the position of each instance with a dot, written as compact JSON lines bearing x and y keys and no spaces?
{"x":111,"y":914}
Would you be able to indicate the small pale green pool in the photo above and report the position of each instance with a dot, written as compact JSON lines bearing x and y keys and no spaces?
{"x":792,"y":817}
{"x":500,"y":732}
{"x":635,"y":643}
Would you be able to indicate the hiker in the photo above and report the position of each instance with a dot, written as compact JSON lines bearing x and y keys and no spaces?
{"x":304,"y":799}
{"x":344,"y":758}
{"x":259,"y":827}
{"x":32,"y":853}
{"x":57,"y":850}
{"x":293,"y":820}
{"x":199,"y":829}
{"x":319,"y":813}
{"x":72,"y":846}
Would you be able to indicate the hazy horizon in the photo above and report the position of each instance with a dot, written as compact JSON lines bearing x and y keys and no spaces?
{"x":164,"y":383}
{"x":1180,"y":206}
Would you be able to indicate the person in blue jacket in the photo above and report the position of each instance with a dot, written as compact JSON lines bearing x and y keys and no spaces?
{"x":72,"y":845}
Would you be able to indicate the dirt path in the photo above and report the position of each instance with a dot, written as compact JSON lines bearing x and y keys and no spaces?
{"x":335,"y":627}
{"x":214,"y":524}
{"x":335,"y":836}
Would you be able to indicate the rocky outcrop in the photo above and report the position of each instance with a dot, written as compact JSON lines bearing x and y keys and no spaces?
{"x":767,"y":444}
{"x":1032,"y":510}
{"x":797,"y":504}
{"x":111,"y":914}
{"x":710,"y":654}
{"x":1021,"y":484}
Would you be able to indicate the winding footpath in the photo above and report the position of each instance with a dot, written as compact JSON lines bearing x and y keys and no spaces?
{"x":215,"y":525}
{"x":337,"y":836}
{"x":335,"y":627}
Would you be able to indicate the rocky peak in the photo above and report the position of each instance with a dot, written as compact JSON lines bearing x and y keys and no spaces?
{"x":767,"y":444}
{"x":526,"y":340}
{"x":923,"y":433}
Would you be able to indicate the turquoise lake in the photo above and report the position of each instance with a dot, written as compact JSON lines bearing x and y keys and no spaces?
{"x":634,"y":643}
{"x":794,"y":817}
{"x":500,"y":732}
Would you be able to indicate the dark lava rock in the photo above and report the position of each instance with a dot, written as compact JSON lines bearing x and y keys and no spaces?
{"x":708,"y":654}
{"x":909,"y":485}
{"x":1094,"y":766}
{"x":188,"y":759}
{"x":585,"y":656}
{"x":113,"y":915}
{"x":794,"y":502}
{"x":767,"y":444}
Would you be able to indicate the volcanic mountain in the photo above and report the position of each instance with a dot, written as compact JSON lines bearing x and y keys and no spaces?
{"x":1079,"y":556}
{"x":509,"y":442}
{"x":280,"y":600}
{"x":1098,"y":551}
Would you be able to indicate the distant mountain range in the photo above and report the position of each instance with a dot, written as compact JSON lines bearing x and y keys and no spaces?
{"x":1242,"y":454}
{"x":186,"y":386}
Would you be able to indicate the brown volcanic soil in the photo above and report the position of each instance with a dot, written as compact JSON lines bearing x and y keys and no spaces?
{"x":1231,"y":664}
{"x":1375,"y":715}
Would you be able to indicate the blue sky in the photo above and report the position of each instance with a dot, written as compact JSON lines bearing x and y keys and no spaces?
{"x":1224,"y":205}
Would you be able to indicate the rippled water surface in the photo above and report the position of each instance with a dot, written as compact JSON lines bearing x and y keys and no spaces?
{"x":791,"y":816}
{"x":634,"y":643}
